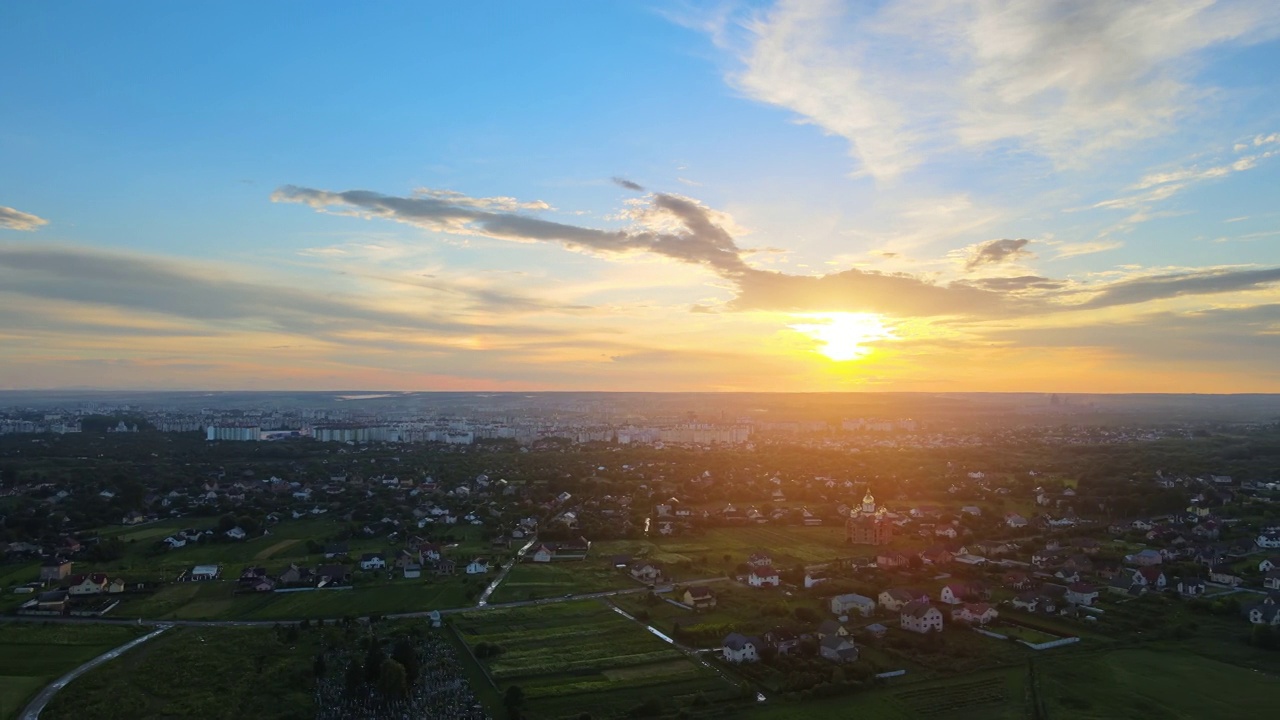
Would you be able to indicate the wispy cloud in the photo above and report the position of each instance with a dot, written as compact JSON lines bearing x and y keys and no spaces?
{"x":11,"y":219}
{"x":627,"y":184}
{"x":906,"y":80}
{"x":995,"y":252}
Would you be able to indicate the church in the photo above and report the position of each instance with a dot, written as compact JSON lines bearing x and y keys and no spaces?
{"x":867,"y":525}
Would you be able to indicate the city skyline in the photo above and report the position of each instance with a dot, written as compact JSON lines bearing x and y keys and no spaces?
{"x":800,"y":196}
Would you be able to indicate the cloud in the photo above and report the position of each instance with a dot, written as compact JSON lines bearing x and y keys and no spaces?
{"x":1066,"y":250}
{"x":906,"y":80}
{"x":627,"y":184}
{"x":11,"y":219}
{"x":196,"y":293}
{"x":1197,"y":282}
{"x":682,"y":229}
{"x":995,"y":252}
{"x":1015,"y":284}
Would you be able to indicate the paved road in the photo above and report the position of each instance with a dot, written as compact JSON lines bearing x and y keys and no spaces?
{"x":36,"y":706}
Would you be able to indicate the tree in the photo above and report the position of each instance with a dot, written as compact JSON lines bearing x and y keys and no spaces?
{"x":373,"y":661}
{"x":319,"y":668}
{"x":513,"y":700}
{"x":405,"y":654}
{"x":391,"y":679}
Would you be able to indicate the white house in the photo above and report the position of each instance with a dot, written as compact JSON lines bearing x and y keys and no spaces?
{"x":953,"y":593}
{"x":1269,"y":564}
{"x":175,"y":542}
{"x":1014,"y":520}
{"x":543,"y":554}
{"x":1269,"y":540}
{"x":372,"y":561}
{"x":764,"y":576}
{"x":738,"y":648}
{"x":921,"y":617}
{"x":237,"y":533}
{"x":206,"y":572}
{"x":477,"y":567}
{"x":412,"y":571}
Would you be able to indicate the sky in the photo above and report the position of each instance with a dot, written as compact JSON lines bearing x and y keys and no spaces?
{"x":802,"y":195}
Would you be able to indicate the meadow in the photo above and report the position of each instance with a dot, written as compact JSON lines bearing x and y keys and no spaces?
{"x":583,"y":656}
{"x":32,"y":656}
{"x":1149,"y":683}
{"x":198,"y":672}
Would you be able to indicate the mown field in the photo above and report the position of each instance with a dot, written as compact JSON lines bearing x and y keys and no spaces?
{"x":582,"y":656}
{"x":1141,"y":683}
{"x":989,"y":695}
{"x":213,"y":673}
{"x":32,"y":656}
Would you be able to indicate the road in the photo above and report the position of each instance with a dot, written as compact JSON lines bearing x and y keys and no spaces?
{"x":37,"y":705}
{"x":395,"y":616}
{"x":502,"y":574}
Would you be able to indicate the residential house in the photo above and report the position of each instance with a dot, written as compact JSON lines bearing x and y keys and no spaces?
{"x":1225,"y":575}
{"x":699,"y":597}
{"x":236,"y":533}
{"x":830,"y":627}
{"x":646,"y":572}
{"x":335,"y":550}
{"x":55,"y":569}
{"x":891,"y":559}
{"x":1029,"y":601}
{"x":202,"y":573}
{"x":1145,"y":557}
{"x":738,"y":648}
{"x":955,"y":593}
{"x":1266,"y":612}
{"x":91,"y":584}
{"x":936,"y":556}
{"x":1190,"y":587}
{"x":760,"y":560}
{"x":1269,"y":564}
{"x":444,"y":566}
{"x":843,"y":604}
{"x":1079,"y":593}
{"x":373,"y":561}
{"x":974,"y":613}
{"x":919,"y":616}
{"x":838,"y":649}
{"x":544,"y":553}
{"x":1014,"y":520}
{"x":412,"y":571}
{"x":764,"y":576}
{"x":333,"y":574}
{"x":782,"y":639}
{"x":894,"y":599}
{"x":1018,"y":580}
{"x":478,"y":566}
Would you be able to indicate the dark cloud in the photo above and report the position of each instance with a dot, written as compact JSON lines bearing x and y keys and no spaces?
{"x":121,"y":281}
{"x":1243,"y":336}
{"x":995,"y":252}
{"x":1204,"y":282}
{"x":701,"y":240}
{"x":625,"y":183}
{"x":11,"y":219}
{"x":1014,"y":284}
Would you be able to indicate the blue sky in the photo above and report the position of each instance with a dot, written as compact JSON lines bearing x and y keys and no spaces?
{"x":1012,"y":195}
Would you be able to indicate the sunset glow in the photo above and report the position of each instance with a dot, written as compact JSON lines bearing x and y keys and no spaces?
{"x":791,"y":196}
{"x":845,"y":336}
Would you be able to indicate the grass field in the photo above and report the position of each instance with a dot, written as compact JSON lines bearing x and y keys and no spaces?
{"x":32,"y":656}
{"x":529,"y":581}
{"x":991,"y":695}
{"x":582,"y":656}
{"x":1147,"y":683}
{"x":198,"y":672}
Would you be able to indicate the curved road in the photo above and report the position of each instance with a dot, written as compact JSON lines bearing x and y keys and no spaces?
{"x":37,"y":704}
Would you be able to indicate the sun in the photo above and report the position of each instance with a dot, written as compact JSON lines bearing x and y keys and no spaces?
{"x":844,"y":336}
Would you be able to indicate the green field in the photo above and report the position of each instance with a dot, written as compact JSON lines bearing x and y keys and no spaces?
{"x":990,"y":695}
{"x":529,"y":581}
{"x":1147,"y":683}
{"x":582,"y":656}
{"x":32,"y":656}
{"x":198,"y":672}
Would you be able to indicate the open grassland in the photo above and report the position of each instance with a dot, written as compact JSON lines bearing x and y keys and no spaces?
{"x":32,"y":656}
{"x":198,"y":672}
{"x":991,"y":695}
{"x":1147,"y":683}
{"x":530,"y":581}
{"x":582,"y":656}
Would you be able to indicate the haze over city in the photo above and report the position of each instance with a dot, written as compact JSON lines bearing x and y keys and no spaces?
{"x":791,"y":196}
